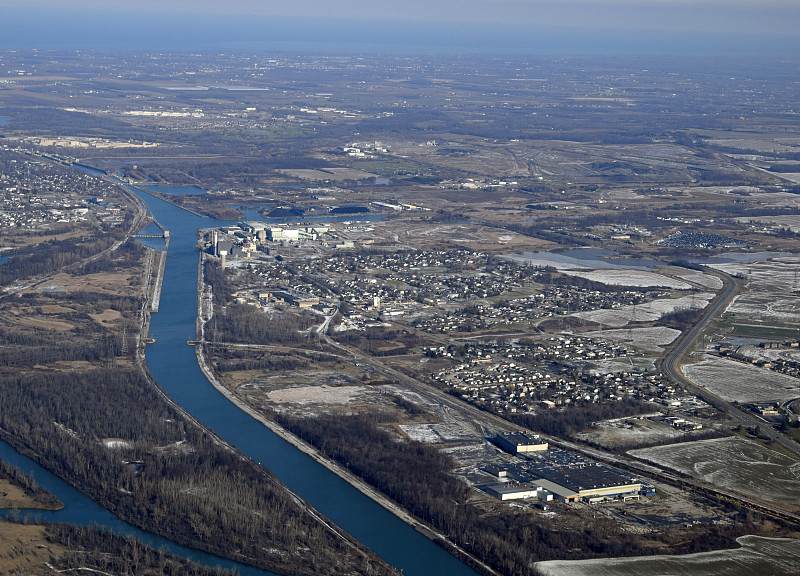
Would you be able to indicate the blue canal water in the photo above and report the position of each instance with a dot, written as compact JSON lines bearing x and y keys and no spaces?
{"x":176,"y":190}
{"x":174,"y":366}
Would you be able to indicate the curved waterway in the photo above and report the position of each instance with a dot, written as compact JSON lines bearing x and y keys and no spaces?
{"x":81,"y":510}
{"x":174,"y":366}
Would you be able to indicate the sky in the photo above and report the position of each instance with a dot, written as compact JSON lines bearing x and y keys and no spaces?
{"x":647,"y":26}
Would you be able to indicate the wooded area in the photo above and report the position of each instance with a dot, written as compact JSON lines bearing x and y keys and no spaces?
{"x":77,"y":401}
{"x":164,"y":474}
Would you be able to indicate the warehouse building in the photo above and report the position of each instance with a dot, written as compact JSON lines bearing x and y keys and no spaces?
{"x":591,"y":483}
{"x":518,"y":491}
{"x":520,"y":442}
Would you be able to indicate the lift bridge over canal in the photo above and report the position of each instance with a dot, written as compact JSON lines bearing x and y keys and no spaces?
{"x":164,"y":232}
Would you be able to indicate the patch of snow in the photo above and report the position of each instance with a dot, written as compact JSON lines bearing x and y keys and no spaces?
{"x":648,"y":312}
{"x":117,"y":444}
{"x":732,"y":380}
{"x":630,"y":277}
{"x":645,"y":339}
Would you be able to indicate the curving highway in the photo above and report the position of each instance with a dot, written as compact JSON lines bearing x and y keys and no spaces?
{"x":670,"y":365}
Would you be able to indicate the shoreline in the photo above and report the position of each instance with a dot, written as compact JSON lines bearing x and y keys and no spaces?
{"x":16,"y":497}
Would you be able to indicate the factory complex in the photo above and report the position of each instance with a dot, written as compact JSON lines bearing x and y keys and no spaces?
{"x":553,"y":474}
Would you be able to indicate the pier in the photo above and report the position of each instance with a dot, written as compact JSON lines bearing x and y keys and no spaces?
{"x":155,"y":273}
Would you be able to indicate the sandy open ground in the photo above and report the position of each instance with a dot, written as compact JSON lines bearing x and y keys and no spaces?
{"x":24,"y":549}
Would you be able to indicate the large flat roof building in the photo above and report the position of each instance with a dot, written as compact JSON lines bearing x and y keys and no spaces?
{"x":520,"y":442}
{"x":587,"y":482}
{"x":514,"y":491}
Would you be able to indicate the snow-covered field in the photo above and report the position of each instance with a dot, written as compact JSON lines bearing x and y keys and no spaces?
{"x":630,"y":432}
{"x":545,"y":259}
{"x":618,"y":317}
{"x":734,"y":463}
{"x":771,"y":293}
{"x":117,"y":444}
{"x":436,"y":433}
{"x":625,"y":364}
{"x":630,"y":277}
{"x":696,"y":277}
{"x":318,"y":394}
{"x":757,"y":556}
{"x":769,"y":354}
{"x":643,"y":339}
{"x":742,"y":382}
{"x":792,"y":222}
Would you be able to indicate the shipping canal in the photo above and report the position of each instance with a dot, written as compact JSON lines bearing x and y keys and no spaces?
{"x":175,"y":368}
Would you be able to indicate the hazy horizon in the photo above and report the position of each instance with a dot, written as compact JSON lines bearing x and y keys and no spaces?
{"x":71,"y":28}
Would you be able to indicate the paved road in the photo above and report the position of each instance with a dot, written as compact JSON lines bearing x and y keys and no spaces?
{"x":671,"y":365}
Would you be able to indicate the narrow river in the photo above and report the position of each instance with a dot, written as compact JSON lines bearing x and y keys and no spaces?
{"x":81,"y":510}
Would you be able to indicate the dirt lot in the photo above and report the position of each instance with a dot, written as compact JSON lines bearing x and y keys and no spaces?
{"x":623,"y":432}
{"x":24,"y":549}
{"x":106,"y":317}
{"x":106,"y":282}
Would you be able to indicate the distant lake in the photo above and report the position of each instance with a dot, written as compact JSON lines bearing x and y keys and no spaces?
{"x":253,"y":214}
{"x":176,"y":190}
{"x":744,"y":257}
{"x":4,"y":120}
{"x":583,"y":258}
{"x":3,"y":259}
{"x":232,"y":88}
